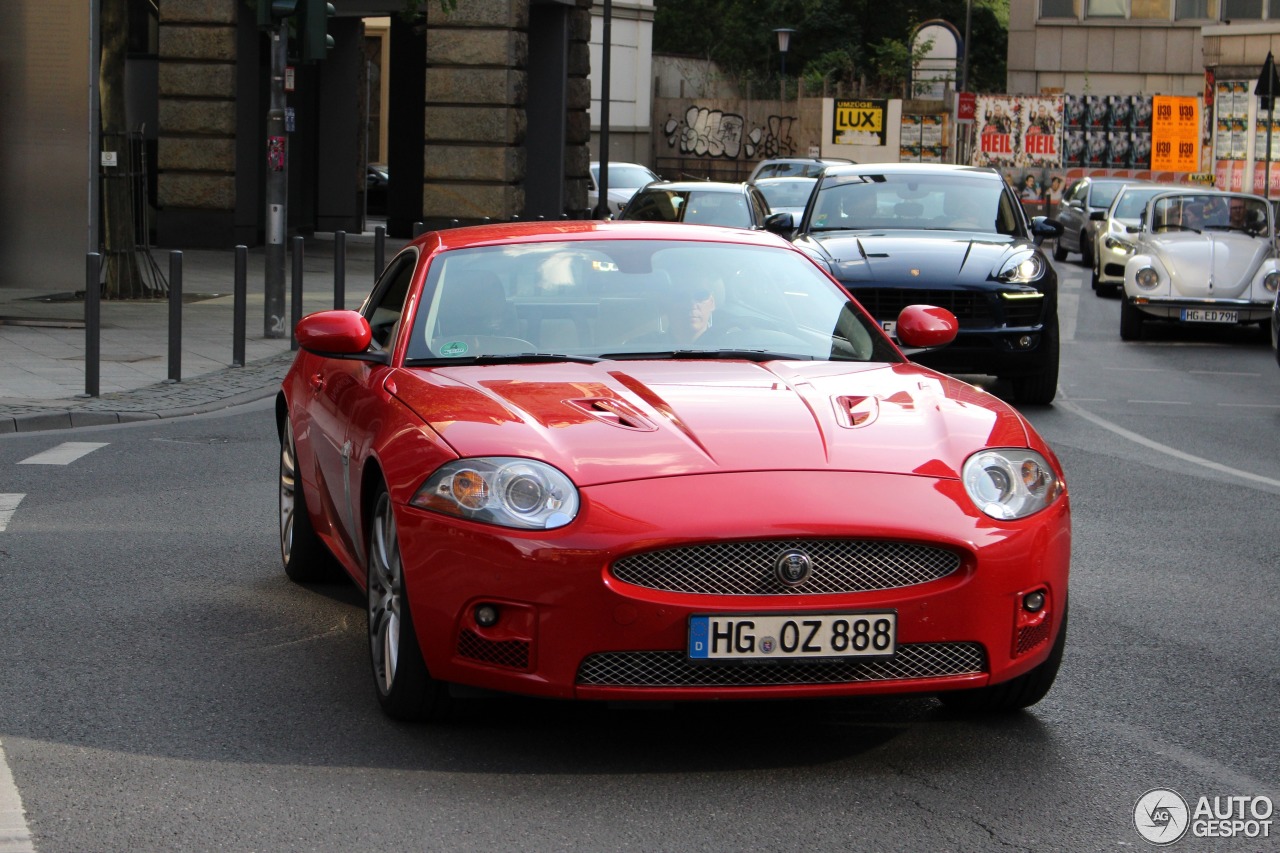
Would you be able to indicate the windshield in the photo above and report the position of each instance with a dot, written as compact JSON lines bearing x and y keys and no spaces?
{"x":786,"y":193}
{"x":619,"y":298}
{"x":625,"y":177}
{"x":1130,"y":204}
{"x":945,"y":201}
{"x":696,"y":207}
{"x":1104,"y":192}
{"x":1210,"y":212}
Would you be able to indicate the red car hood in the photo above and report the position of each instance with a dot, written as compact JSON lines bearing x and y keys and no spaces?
{"x":626,"y":420}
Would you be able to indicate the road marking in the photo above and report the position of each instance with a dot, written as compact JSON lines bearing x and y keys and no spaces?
{"x":1227,"y":777}
{"x":1162,"y":402}
{"x":1223,"y":373}
{"x":15,"y":835}
{"x":1164,"y":448}
{"x":1249,"y":405}
{"x":64,"y":454}
{"x":8,"y":504}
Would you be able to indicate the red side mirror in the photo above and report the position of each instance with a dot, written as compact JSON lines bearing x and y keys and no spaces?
{"x":926,"y":326}
{"x":334,"y":333}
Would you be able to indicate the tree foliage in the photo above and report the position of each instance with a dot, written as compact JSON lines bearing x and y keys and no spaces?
{"x":847,"y":41}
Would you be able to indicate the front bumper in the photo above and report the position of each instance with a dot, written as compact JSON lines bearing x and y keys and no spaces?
{"x":1171,"y":307}
{"x":570,"y":627}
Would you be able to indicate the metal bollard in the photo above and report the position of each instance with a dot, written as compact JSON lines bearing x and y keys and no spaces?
{"x":175,"y":316}
{"x":295,"y":308}
{"x":340,"y":269}
{"x":379,"y":251}
{"x":241,"y":309}
{"x":453,"y":223}
{"x":92,"y":324}
{"x":419,"y":228}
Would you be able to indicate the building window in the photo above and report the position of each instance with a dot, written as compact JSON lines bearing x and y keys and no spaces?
{"x":1106,"y":8}
{"x":1058,"y":9}
{"x":1195,"y":10}
{"x":1149,"y":10}
{"x":1241,"y":10}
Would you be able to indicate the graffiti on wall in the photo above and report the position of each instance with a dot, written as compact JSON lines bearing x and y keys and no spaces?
{"x":714,"y":133}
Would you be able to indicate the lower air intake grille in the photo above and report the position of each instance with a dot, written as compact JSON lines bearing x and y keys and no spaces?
{"x":672,"y":669}
{"x":508,"y":653}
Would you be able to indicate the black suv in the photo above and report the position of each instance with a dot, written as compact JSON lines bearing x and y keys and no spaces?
{"x":899,"y":234}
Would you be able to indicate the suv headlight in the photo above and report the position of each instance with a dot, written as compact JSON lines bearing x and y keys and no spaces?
{"x":1009,"y":483}
{"x":1022,"y":268}
{"x":502,"y":490}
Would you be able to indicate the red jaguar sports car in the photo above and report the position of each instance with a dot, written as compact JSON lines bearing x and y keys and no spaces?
{"x":648,"y":461}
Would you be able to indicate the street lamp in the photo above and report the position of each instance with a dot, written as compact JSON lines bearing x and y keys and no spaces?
{"x":784,"y":42}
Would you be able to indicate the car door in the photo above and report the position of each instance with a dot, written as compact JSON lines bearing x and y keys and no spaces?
{"x":1073,"y":214}
{"x":348,"y":398}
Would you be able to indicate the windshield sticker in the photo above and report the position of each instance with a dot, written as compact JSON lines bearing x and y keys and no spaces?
{"x":453,"y":348}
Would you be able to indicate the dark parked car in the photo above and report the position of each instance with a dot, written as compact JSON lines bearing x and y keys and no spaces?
{"x":704,"y":203}
{"x":1079,"y":202}
{"x":899,"y":234}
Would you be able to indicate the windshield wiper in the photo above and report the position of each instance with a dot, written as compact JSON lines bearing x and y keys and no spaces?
{"x":747,"y":354}
{"x":504,"y":358}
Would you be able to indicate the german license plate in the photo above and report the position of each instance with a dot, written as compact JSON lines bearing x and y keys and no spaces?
{"x":1209,"y":315}
{"x":755,"y":637}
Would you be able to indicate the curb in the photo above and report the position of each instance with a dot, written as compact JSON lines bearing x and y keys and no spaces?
{"x":153,"y":403}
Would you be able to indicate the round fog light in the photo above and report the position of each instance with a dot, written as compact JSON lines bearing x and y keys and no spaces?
{"x":486,"y":615}
{"x":1032,"y":602}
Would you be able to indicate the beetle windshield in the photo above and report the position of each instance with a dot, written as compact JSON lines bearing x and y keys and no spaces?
{"x":623,"y":298}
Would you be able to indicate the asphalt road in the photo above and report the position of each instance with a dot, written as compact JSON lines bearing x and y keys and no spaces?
{"x":163,"y":687}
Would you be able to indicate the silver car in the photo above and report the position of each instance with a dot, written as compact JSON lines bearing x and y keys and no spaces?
{"x":1201,"y":257}
{"x":1080,"y":200}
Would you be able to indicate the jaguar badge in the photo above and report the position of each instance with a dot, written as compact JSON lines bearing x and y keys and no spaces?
{"x":793,"y":567}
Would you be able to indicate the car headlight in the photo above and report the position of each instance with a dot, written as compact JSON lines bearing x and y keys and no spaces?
{"x":1021,"y":268}
{"x":1010,"y":483}
{"x":1146,"y":277}
{"x":1271,"y":281}
{"x":501,"y":490}
{"x":1118,"y":245}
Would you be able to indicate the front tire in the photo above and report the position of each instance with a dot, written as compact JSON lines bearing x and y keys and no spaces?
{"x":1059,"y":250}
{"x":306,"y":558}
{"x":1086,"y":250}
{"x":1015,"y":694}
{"x":1039,"y":389}
{"x":1131,"y":321}
{"x":405,"y":689}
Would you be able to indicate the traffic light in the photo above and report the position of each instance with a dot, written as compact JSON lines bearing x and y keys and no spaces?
{"x":271,"y":11}
{"x":314,"y":42}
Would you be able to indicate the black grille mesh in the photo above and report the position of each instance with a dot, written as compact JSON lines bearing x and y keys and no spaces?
{"x":673,"y":669}
{"x":747,"y":568}
{"x":508,"y":653}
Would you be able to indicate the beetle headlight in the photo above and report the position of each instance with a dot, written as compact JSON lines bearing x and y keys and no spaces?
{"x":1021,"y":268}
{"x":1271,"y":281}
{"x":501,"y":490}
{"x":1010,"y":483}
{"x":1146,"y":277}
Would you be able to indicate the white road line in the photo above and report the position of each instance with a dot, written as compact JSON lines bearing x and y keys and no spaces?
{"x":1161,"y":402}
{"x":1223,"y":373}
{"x":64,"y":454}
{"x":1249,"y":405}
{"x":1164,"y":448}
{"x":8,"y":504}
{"x":15,"y":836}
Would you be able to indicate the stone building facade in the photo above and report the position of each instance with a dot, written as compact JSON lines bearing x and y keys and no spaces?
{"x":504,"y":127}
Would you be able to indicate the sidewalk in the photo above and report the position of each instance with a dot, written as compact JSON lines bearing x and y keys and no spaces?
{"x":42,"y":341}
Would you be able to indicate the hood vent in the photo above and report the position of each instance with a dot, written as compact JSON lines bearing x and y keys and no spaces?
{"x":613,"y":412}
{"x":853,"y":412}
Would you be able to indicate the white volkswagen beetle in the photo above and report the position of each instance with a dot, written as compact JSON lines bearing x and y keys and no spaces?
{"x":1201,"y":257}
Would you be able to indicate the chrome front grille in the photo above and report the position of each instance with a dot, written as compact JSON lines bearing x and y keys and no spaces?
{"x":749,"y":568}
{"x":673,"y":669}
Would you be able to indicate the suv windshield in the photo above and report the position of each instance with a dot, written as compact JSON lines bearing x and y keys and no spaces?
{"x":916,"y":201}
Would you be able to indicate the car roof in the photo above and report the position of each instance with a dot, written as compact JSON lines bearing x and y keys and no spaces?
{"x":786,"y":179}
{"x":687,"y":186}
{"x":592,"y":229}
{"x":906,"y":168}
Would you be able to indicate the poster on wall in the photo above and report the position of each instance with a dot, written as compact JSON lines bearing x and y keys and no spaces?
{"x":998,"y":131}
{"x":1175,"y":134}
{"x":1107,"y":131}
{"x":859,"y":122}
{"x":1041,"y":131}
